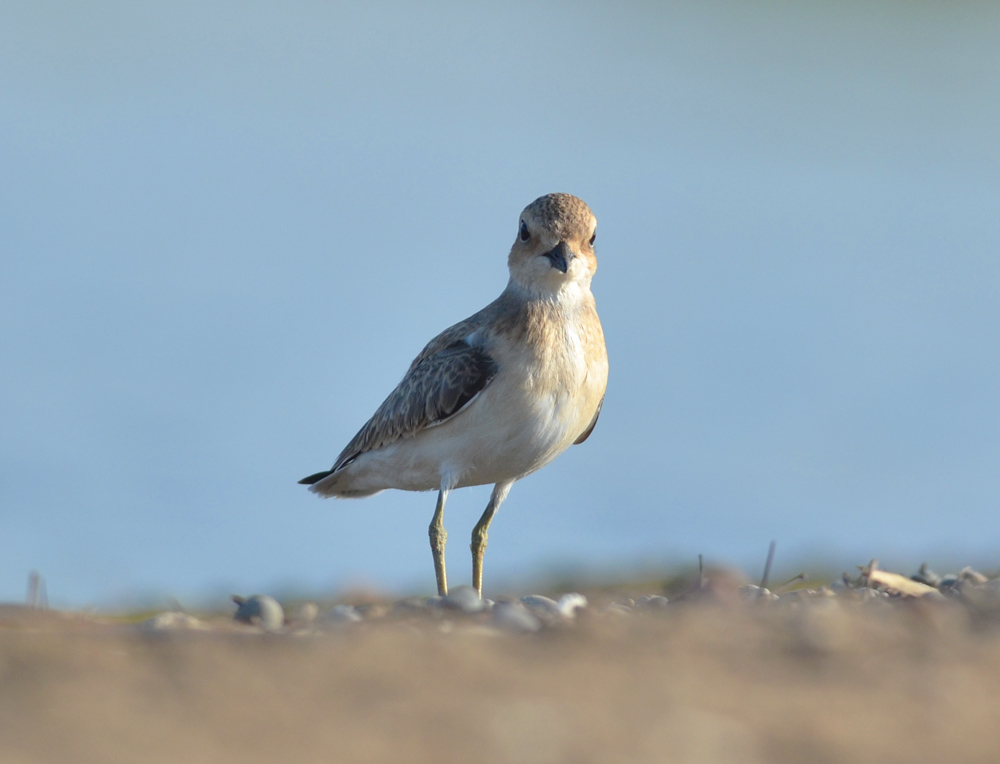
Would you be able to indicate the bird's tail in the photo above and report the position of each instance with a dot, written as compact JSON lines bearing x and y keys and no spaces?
{"x":329,"y":483}
{"x":313,"y":479}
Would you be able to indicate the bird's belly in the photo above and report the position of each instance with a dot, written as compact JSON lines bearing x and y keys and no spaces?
{"x":505,"y":434}
{"x":507,"y":440}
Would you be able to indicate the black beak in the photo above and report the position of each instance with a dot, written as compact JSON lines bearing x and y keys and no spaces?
{"x":560,"y":256}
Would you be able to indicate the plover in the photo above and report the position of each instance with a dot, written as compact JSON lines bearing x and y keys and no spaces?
{"x":498,"y":395}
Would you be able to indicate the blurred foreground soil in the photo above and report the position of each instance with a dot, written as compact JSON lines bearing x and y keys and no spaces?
{"x":717,"y":681}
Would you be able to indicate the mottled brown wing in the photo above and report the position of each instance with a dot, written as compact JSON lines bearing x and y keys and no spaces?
{"x":591,"y":426}
{"x":437,"y":386}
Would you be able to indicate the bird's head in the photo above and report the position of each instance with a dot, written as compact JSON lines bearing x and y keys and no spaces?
{"x":554,"y":247}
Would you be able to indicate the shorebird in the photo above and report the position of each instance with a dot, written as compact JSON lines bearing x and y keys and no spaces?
{"x":498,"y":395}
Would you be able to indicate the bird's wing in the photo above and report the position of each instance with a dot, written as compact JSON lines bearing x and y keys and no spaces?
{"x":443,"y":380}
{"x":591,"y":426}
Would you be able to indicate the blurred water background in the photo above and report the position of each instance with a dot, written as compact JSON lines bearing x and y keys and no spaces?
{"x":227,"y":227}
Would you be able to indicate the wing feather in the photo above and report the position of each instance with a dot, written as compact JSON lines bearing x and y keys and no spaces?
{"x":440,"y":383}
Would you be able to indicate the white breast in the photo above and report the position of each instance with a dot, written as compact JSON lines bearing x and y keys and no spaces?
{"x":541,"y":400}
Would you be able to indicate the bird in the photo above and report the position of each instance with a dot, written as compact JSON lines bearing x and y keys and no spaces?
{"x":499,"y":395}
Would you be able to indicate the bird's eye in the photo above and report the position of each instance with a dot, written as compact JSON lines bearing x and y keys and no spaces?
{"x":523,"y":231}
{"x":593,"y":239}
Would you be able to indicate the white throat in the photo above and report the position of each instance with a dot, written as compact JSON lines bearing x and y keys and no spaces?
{"x":566,"y":293}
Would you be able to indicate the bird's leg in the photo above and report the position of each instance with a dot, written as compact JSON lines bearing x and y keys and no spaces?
{"x":438,"y":537}
{"x":479,"y":535}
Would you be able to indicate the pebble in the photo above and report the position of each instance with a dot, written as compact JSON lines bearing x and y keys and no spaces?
{"x":951,"y":585}
{"x":981,"y":596}
{"x":306,"y":613}
{"x":872,"y":595}
{"x":618,"y":608}
{"x":464,"y":598}
{"x":515,"y":616}
{"x":259,"y":610}
{"x":651,"y":602}
{"x":753,"y":593}
{"x":568,"y":604}
{"x":172,"y":621}
{"x":410,"y":606}
{"x":342,"y":614}
{"x":927,"y":576}
{"x":372,"y":611}
{"x":972,"y":576}
{"x":542,"y":606}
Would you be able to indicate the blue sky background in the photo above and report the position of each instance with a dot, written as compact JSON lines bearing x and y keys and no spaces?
{"x":226,"y":228}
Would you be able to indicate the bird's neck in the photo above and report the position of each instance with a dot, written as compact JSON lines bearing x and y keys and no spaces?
{"x":569,"y":295}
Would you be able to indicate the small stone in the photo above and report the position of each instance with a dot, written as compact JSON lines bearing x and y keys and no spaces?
{"x":464,"y":598}
{"x":984,"y":597}
{"x":926,"y":576}
{"x":410,"y":606}
{"x":569,"y":603}
{"x":651,"y":602}
{"x":951,"y":585}
{"x":172,"y":621}
{"x":872,"y":595}
{"x":342,"y":614}
{"x":259,"y":610}
{"x":544,"y":607}
{"x":617,"y":608}
{"x":514,"y":616}
{"x":306,"y":613}
{"x":372,"y":611}
{"x":972,"y":576}
{"x":753,"y":593}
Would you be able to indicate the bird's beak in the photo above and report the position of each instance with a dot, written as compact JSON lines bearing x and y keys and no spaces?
{"x":560,"y":256}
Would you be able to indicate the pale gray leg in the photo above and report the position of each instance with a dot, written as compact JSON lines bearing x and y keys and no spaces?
{"x":479,"y":535}
{"x":438,"y":538}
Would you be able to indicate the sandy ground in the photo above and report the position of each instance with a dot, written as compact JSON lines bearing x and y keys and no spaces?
{"x":715,"y":681}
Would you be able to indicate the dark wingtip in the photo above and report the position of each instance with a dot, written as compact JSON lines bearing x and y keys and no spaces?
{"x":315,"y":478}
